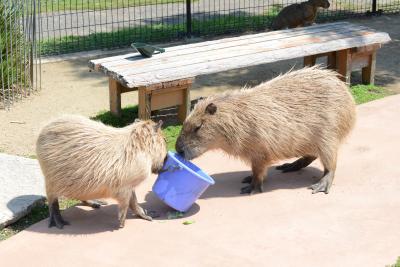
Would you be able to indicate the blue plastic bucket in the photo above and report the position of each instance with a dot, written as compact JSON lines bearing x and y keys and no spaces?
{"x":181,"y":184}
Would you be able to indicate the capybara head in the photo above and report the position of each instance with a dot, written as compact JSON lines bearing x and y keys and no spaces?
{"x":321,"y":3}
{"x":151,"y":137}
{"x":199,"y":131}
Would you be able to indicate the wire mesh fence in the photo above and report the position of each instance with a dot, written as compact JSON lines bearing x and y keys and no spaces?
{"x":81,"y":25}
{"x":19,"y":50}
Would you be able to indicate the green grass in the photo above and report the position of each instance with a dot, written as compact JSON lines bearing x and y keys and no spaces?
{"x":361,"y":93}
{"x":129,"y":114}
{"x":67,"y":5}
{"x":397,"y":264}
{"x":37,"y":214}
{"x":366,"y":93}
{"x":157,"y":32}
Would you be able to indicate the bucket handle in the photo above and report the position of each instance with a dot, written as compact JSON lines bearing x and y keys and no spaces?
{"x":171,"y":169}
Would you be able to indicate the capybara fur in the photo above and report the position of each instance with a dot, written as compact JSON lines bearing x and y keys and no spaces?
{"x":295,"y":15}
{"x":305,"y":113}
{"x":85,"y":159}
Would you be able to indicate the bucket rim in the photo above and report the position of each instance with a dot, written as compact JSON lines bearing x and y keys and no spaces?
{"x":208,"y":178}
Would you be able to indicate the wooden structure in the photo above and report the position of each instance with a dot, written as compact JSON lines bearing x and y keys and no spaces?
{"x":165,"y":79}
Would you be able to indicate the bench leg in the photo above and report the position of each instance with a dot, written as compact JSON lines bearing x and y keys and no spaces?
{"x":184,"y":109}
{"x":343,"y":63}
{"x":115,"y":97}
{"x":331,"y":64}
{"x":144,"y":104}
{"x":368,"y":73}
{"x":309,"y":61}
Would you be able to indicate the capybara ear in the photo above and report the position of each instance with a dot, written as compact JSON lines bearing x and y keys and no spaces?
{"x":137,"y":120}
{"x":211,"y":109}
{"x":158,"y":125}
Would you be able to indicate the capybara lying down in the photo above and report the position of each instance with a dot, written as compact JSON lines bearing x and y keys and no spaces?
{"x":305,"y":113}
{"x":85,"y":159}
{"x":298,"y":14}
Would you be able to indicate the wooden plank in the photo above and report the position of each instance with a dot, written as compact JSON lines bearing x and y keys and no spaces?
{"x":164,"y":100}
{"x":233,"y":54}
{"x":183,"y":48}
{"x":115,"y":96}
{"x":230,"y":51}
{"x":359,"y":62}
{"x":193,"y":70}
{"x":368,"y":73}
{"x":331,"y":61}
{"x":309,"y":61}
{"x":234,"y":43}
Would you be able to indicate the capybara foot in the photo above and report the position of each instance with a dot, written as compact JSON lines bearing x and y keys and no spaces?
{"x":143,"y":214}
{"x":251,"y":188}
{"x":55,"y":218}
{"x":247,"y":180}
{"x":323,"y":185}
{"x":95,"y":204}
{"x":296,"y":165}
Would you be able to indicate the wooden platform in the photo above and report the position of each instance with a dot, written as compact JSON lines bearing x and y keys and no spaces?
{"x":166,"y":78}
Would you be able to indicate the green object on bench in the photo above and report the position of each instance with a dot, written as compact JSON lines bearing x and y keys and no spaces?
{"x":147,"y":50}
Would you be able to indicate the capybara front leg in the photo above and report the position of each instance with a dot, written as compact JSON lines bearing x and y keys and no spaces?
{"x":139,"y":211}
{"x":296,"y":165}
{"x":95,"y":203}
{"x":55,"y":218}
{"x":257,"y":179}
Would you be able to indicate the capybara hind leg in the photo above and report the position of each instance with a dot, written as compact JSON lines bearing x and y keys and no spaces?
{"x":55,"y":218}
{"x":123,"y":209}
{"x":329,"y":162}
{"x":95,"y":203}
{"x":139,"y":211}
{"x":259,"y":170}
{"x":296,"y":165}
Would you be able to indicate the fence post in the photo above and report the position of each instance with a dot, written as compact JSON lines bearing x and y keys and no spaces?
{"x":188,"y":18}
{"x":373,"y":6}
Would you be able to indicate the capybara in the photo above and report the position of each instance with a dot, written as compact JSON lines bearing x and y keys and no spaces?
{"x":295,"y":15}
{"x":85,"y":159}
{"x":305,"y":113}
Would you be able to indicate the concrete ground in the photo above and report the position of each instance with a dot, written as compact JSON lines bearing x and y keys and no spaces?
{"x":356,"y":224}
{"x":69,"y":87}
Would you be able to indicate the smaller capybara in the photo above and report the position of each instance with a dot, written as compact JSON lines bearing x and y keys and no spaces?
{"x":305,"y":113}
{"x":85,"y":159}
{"x":295,"y":15}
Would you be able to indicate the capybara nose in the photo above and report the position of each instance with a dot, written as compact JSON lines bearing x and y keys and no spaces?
{"x":179,"y":146}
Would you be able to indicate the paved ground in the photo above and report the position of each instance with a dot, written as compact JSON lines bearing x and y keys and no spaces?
{"x":357,"y":224}
{"x":22,"y":186}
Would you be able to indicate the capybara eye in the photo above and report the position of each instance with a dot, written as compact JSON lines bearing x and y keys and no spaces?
{"x":197,"y":128}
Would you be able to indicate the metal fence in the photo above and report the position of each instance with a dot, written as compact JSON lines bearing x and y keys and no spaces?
{"x":19,"y":52}
{"x":81,"y":25}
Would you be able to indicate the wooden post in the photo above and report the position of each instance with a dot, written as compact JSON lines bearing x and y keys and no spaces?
{"x":310,"y":61}
{"x":115,"y":96}
{"x":368,"y":73}
{"x":144,"y":103}
{"x":343,"y":63}
{"x":331,"y":64}
{"x":184,"y":109}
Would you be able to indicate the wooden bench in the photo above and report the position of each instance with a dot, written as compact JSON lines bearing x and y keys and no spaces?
{"x":165,"y":79}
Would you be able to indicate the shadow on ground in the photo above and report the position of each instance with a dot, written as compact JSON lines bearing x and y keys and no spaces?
{"x":229,"y":184}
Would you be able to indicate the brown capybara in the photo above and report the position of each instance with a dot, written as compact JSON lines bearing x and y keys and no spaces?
{"x":305,"y":113}
{"x":295,"y":15}
{"x":85,"y":159}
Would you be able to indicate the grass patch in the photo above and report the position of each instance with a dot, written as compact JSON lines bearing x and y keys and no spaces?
{"x":397,"y":264}
{"x":129,"y":114}
{"x":37,"y":214}
{"x":157,"y":32}
{"x":366,"y":93}
{"x":68,"y":5}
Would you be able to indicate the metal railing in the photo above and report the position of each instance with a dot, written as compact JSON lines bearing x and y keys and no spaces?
{"x":19,"y":50}
{"x":82,"y":25}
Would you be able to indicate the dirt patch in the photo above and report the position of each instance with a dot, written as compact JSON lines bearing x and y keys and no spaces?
{"x":69,"y":87}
